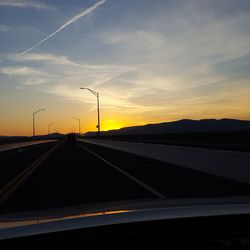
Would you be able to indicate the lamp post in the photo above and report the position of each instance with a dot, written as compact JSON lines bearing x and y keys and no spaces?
{"x":49,"y":125}
{"x":79,"y":120}
{"x":98,"y":108}
{"x":73,"y":129}
{"x":34,"y":114}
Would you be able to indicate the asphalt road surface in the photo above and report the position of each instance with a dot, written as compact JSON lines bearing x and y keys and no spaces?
{"x":13,"y":146}
{"x":59,"y":174}
{"x":13,"y":162}
{"x":229,"y":164}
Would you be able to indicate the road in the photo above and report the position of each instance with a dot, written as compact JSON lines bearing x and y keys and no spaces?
{"x":10,"y":146}
{"x":58,"y":174}
{"x":230,"y":164}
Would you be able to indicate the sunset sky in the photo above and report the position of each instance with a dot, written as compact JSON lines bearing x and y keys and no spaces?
{"x":151,"y":61}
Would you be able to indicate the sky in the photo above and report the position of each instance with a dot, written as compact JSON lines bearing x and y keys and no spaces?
{"x":151,"y":61}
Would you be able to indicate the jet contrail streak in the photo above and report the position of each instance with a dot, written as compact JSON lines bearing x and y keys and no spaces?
{"x":74,"y":19}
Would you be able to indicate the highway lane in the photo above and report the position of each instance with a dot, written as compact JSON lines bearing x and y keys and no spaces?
{"x":229,"y":164}
{"x":82,"y":173}
{"x":72,"y":176}
{"x":18,"y":145}
{"x":171,"y":180}
{"x":14,"y":161}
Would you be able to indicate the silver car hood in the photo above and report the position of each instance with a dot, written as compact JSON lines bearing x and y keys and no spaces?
{"x":102,"y":214}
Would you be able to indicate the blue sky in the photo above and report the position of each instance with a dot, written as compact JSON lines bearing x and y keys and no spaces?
{"x":151,"y":61}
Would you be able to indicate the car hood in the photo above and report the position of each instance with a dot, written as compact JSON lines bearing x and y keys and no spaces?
{"x":101,"y":214}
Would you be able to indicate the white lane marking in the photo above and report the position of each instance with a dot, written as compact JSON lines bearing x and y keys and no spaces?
{"x":228,"y":164}
{"x":12,"y":186}
{"x":142,"y":184}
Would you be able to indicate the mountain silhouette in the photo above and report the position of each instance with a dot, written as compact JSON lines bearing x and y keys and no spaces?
{"x":182,"y":126}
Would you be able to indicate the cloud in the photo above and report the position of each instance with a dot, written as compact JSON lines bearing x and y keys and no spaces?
{"x":25,"y":4}
{"x":19,"y":71}
{"x":195,"y":47}
{"x":27,"y":75}
{"x":238,"y":67}
{"x":190,"y":63}
{"x":65,"y":66}
{"x":72,"y":20}
{"x":33,"y":81}
{"x":40,"y":57}
{"x":59,"y":74}
{"x":4,"y":28}
{"x":68,"y":80}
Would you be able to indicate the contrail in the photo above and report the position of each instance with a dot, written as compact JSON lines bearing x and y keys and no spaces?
{"x":74,"y":19}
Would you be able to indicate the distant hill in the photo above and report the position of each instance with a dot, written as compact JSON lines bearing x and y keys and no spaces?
{"x":182,"y":126}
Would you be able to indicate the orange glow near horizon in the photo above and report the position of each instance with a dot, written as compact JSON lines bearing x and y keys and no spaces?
{"x":111,"y":124}
{"x":24,"y":128}
{"x":16,"y":119}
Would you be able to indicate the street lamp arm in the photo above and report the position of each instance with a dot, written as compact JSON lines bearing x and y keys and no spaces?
{"x":76,"y":118}
{"x":38,"y":111}
{"x":92,"y":91}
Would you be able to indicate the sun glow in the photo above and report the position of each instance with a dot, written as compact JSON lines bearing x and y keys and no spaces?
{"x":111,"y":124}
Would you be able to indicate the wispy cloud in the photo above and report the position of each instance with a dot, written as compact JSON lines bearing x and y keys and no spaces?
{"x":19,"y":71}
{"x":30,"y":76}
{"x":40,"y":57}
{"x":33,"y":81}
{"x":182,"y":68}
{"x":58,"y":70}
{"x":65,"y":67}
{"x":72,"y":20}
{"x":4,"y":28}
{"x":25,"y":4}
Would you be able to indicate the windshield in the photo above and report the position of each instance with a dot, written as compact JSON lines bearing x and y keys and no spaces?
{"x":120,"y":102}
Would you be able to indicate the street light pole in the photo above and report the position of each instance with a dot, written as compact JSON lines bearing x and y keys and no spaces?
{"x":98,"y":109}
{"x":79,"y":120}
{"x":98,"y":113}
{"x":49,"y":125}
{"x":34,"y":114}
{"x":34,"y":124}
